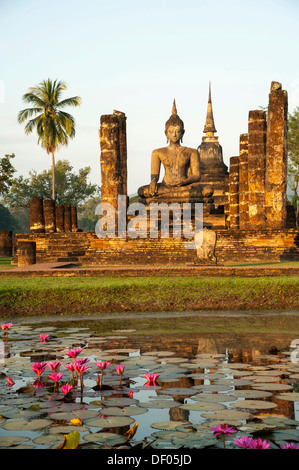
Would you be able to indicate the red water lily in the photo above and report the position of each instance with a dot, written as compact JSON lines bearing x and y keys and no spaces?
{"x":10,"y":382}
{"x":38,"y":368}
{"x":151,"y":379}
{"x":66,"y":389}
{"x":120,"y":370}
{"x":102,"y":365}
{"x":44,"y":338}
{"x":54,"y":365}
{"x":74,"y":352}
{"x":223,"y":430}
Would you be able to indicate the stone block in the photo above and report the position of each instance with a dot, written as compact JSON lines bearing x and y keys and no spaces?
{"x":49,"y":215}
{"x":37,"y":221}
{"x":26,"y":253}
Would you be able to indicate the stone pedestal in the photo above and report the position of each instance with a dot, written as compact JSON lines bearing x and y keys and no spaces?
{"x":59,"y":215}
{"x":205,"y":242}
{"x":5,"y":243}
{"x":26,"y":253}
{"x":49,"y":216}
{"x":276,"y":158}
{"x":257,"y":129}
{"x":37,"y":222}
{"x":67,"y":219}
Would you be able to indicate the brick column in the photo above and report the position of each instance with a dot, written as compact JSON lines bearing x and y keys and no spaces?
{"x":226,"y":201}
{"x":67,"y":218}
{"x":113,"y":160}
{"x":233,"y":193}
{"x":257,"y":128}
{"x":243,"y":182}
{"x":59,"y":215}
{"x":37,"y":221}
{"x":49,"y":215}
{"x":26,"y":253}
{"x":276,"y":158}
{"x":74,"y":219}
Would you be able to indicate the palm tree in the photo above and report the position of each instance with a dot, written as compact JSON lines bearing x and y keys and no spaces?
{"x":54,"y":127}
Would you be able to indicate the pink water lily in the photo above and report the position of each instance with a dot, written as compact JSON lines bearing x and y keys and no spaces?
{"x":80,"y":368}
{"x":223,"y":430}
{"x":5,"y":327}
{"x":289,"y":445}
{"x":120,"y":370}
{"x":74,"y":352}
{"x":10,"y":382}
{"x":259,"y":444}
{"x":102,"y":365}
{"x":54,"y":365}
{"x":56,"y":376}
{"x":151,"y":379}
{"x":243,"y":442}
{"x":38,"y":368}
{"x":44,"y":338}
{"x":66,"y":389}
{"x":82,"y":361}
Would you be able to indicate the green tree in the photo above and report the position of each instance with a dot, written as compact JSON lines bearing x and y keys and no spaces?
{"x":71,"y":188}
{"x":54,"y":126}
{"x":7,"y":220}
{"x":6,"y":173}
{"x":87,"y":217}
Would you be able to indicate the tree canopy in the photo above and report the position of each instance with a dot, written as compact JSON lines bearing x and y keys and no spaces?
{"x":54,"y":126}
{"x":6,"y":173}
{"x":71,"y":188}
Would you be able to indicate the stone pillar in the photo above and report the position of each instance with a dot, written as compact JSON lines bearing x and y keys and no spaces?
{"x":257,"y":134}
{"x":74,"y":219}
{"x":233,"y":193}
{"x":243,"y":182}
{"x":49,"y":215}
{"x":26,"y":253}
{"x":276,"y":158}
{"x":5,"y":243}
{"x":67,"y":218}
{"x":226,"y":200}
{"x":37,"y":222}
{"x":113,"y":160}
{"x":59,"y":217}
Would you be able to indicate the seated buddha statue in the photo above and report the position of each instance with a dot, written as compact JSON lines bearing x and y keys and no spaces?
{"x":182,"y":169}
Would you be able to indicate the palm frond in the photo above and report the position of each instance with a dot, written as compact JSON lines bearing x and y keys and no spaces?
{"x":73,"y":101}
{"x":27,"y":113}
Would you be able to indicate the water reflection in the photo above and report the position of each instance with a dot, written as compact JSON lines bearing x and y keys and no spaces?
{"x":204,"y":380}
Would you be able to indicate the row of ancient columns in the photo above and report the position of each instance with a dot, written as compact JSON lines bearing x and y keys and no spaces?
{"x":48,"y":217}
{"x":257,"y":182}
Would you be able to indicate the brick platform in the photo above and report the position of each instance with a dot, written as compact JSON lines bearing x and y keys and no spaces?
{"x":232,"y":246}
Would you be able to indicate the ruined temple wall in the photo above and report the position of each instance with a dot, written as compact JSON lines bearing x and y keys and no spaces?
{"x":232,"y":246}
{"x":233,"y":193}
{"x":262,"y":181}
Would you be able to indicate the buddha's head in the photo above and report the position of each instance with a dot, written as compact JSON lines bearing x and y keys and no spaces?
{"x":174,"y":127}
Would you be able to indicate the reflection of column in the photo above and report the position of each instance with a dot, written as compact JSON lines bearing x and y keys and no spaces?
{"x":178,"y":414}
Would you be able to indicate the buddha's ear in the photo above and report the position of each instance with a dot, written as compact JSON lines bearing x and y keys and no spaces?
{"x":165,"y":132}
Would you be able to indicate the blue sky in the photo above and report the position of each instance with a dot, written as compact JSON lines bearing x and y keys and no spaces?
{"x":136,"y":57}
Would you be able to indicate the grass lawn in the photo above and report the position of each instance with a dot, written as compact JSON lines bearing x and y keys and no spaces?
{"x":5,"y":263}
{"x":57,"y":295}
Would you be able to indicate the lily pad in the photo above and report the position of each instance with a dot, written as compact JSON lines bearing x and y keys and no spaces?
{"x":178,"y":391}
{"x":272,"y":387}
{"x":167,"y":425}
{"x":203,"y":406}
{"x":24,"y":425}
{"x":8,"y":441}
{"x":159,"y":404}
{"x":228,"y":414}
{"x":108,"y":438}
{"x":126,"y":411}
{"x":109,"y":422}
{"x":214,"y":397}
{"x":293,"y":396}
{"x":254,"y":404}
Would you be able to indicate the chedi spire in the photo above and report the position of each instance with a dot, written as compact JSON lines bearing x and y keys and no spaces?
{"x":210,"y":128}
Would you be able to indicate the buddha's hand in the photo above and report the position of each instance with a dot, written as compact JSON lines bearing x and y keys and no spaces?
{"x":152,"y":187}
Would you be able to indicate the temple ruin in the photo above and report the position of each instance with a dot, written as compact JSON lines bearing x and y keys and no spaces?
{"x":245,"y":204}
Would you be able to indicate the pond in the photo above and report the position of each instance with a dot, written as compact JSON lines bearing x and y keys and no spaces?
{"x":249,"y":382}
